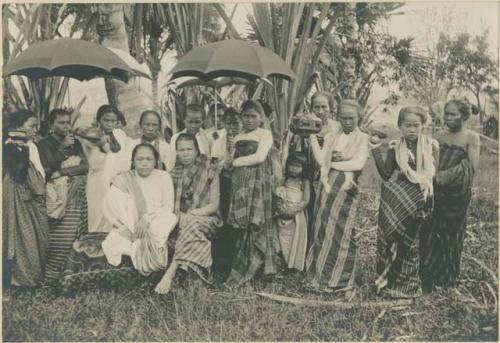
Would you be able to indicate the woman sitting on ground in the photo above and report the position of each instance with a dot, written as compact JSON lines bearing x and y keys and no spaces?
{"x":139,"y":205}
{"x":196,"y":182}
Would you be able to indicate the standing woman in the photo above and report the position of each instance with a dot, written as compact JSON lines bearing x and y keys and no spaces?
{"x":55,"y":151}
{"x":250,"y":210}
{"x":196,"y":184}
{"x":331,"y":258}
{"x":24,"y":221}
{"x":442,"y":242}
{"x":405,"y":203}
{"x":150,"y":123}
{"x":107,"y":157}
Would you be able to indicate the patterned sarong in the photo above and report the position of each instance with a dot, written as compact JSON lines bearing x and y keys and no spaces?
{"x":192,"y":190}
{"x":251,"y":214}
{"x":331,"y":258}
{"x":442,"y":242}
{"x":399,"y":222}
{"x":65,"y":231}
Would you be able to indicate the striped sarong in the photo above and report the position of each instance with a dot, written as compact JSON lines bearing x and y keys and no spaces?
{"x":65,"y":231}
{"x":331,"y":258}
{"x":193,"y":248}
{"x":399,"y":221}
{"x":442,"y":242}
{"x":250,"y":213}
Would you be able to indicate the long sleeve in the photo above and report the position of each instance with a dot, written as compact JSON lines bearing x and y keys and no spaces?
{"x":385,"y":169}
{"x":213,"y":206}
{"x":16,"y":161}
{"x":168,"y":193}
{"x":318,"y":153}
{"x":265,"y":144}
{"x":51,"y":157}
{"x":356,"y":163}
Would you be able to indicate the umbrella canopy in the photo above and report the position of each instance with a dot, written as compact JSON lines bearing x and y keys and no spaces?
{"x":234,"y":58}
{"x":139,"y":69}
{"x":214,"y":83}
{"x":68,"y":57}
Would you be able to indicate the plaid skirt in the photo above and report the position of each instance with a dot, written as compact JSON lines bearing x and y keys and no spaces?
{"x":401,"y":215}
{"x":250,"y":213}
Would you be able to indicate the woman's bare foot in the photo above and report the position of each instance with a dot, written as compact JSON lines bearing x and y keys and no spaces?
{"x":165,"y":284}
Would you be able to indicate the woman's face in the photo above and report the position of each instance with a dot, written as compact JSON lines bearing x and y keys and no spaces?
{"x":186,"y":152}
{"x":233,"y":125}
{"x":30,"y":126}
{"x":348,"y":118}
{"x":61,"y":125}
{"x":320,"y":106}
{"x":144,"y":161}
{"x":150,"y":125}
{"x":108,"y":122}
{"x":411,"y":126}
{"x":193,"y":122}
{"x":452,"y":117}
{"x":251,"y":119}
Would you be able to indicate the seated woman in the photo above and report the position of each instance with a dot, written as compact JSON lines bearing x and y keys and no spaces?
{"x":24,"y":220}
{"x":442,"y":242}
{"x":107,"y":157}
{"x":196,"y":182}
{"x":139,"y":205}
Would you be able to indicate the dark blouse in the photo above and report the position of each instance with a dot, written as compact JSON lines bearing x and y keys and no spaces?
{"x":16,"y":161}
{"x":52,"y":154}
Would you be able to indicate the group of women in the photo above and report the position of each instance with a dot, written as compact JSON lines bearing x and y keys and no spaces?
{"x":216,"y":202}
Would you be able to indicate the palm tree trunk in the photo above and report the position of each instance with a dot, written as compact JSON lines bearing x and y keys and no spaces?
{"x":126,"y":96}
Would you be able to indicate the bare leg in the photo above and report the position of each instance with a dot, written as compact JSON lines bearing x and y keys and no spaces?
{"x":163,"y":287}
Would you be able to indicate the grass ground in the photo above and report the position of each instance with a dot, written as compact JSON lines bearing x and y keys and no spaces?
{"x":197,"y":313}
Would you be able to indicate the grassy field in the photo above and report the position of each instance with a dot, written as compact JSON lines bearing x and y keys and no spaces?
{"x":468,"y":312}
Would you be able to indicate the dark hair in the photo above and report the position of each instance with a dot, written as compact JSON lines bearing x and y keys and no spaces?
{"x":156,"y":154}
{"x":17,"y":119}
{"x":220,"y":105}
{"x":195,"y":108}
{"x":57,"y":112}
{"x":327,"y":95}
{"x":110,"y":109}
{"x":463,"y":107}
{"x":146,"y":112}
{"x":266,"y":107}
{"x":187,"y":137}
{"x":252,"y":105}
{"x":230,"y":112}
{"x":417,"y":110}
{"x":299,"y":157}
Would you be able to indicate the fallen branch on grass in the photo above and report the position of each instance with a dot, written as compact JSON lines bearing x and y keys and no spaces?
{"x":380,"y":315}
{"x":337,"y":303}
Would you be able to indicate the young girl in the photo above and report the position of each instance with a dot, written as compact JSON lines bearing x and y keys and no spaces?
{"x":250,"y":210}
{"x":107,"y":157}
{"x":405,"y":203}
{"x":293,"y":198}
{"x":442,"y":242}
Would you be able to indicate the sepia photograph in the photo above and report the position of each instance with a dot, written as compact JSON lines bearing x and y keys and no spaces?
{"x":250,"y":171}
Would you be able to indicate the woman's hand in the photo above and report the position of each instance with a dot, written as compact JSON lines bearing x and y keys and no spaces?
{"x":337,"y":156}
{"x":195,"y":212}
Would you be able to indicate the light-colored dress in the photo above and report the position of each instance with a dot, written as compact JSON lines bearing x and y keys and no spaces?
{"x":127,"y":201}
{"x":293,"y":232}
{"x":102,"y":168}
